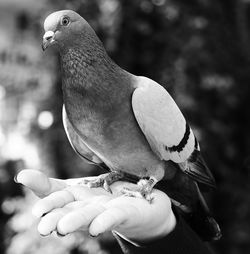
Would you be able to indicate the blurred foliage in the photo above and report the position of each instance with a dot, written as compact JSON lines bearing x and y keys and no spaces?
{"x":198,"y":49}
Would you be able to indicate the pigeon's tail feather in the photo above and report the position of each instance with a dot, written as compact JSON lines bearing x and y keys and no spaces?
{"x":190,"y":204}
{"x":198,"y":170}
{"x":202,"y":221}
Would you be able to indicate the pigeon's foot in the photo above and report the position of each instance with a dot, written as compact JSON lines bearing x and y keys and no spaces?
{"x":104,"y":180}
{"x":142,"y":190}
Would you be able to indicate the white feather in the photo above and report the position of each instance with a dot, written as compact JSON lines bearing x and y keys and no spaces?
{"x":161,"y":120}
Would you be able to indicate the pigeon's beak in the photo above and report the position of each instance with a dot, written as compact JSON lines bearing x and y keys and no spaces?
{"x":48,"y":39}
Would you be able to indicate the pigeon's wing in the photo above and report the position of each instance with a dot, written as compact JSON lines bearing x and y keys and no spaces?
{"x":76,"y":142}
{"x":166,"y":130}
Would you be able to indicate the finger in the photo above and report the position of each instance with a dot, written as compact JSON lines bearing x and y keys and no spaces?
{"x":39,"y":183}
{"x":107,"y":221}
{"x":55,"y":200}
{"x":77,"y":204}
{"x":79,"y":181}
{"x":49,"y":222}
{"x":97,"y":200}
{"x":79,"y":219}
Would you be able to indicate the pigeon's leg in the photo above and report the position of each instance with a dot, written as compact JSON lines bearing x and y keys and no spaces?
{"x":142,"y":190}
{"x":104,"y":180}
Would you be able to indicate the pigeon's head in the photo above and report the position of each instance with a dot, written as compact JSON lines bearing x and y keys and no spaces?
{"x":62,"y":28}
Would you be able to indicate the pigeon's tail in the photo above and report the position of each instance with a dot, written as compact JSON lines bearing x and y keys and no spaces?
{"x":201,"y":220}
{"x":186,"y":196}
{"x":191,"y":205}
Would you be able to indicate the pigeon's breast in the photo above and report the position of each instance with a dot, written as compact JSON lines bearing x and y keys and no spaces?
{"x":115,"y":137}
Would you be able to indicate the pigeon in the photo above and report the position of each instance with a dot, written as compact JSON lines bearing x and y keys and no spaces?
{"x":127,"y":124}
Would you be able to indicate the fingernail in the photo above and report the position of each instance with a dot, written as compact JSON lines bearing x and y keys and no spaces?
{"x":43,"y":235}
{"x":46,"y":235}
{"x":60,"y":235}
{"x":15,"y":179}
{"x":93,"y":235}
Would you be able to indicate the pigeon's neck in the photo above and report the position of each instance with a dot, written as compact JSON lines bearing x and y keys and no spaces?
{"x":88,"y":70}
{"x":83,"y":57}
{"x":91,"y":80}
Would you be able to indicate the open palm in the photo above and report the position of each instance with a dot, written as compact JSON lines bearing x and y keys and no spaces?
{"x":66,"y":207}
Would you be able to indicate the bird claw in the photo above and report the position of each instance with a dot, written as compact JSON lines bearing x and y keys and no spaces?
{"x":142,"y":190}
{"x":104,"y":180}
{"x":139,"y":193}
{"x":96,"y":182}
{"x":106,"y":186}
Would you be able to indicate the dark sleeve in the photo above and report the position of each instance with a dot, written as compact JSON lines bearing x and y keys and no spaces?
{"x":182,"y":240}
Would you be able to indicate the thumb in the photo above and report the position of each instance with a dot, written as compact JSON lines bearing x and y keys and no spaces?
{"x":39,"y":183}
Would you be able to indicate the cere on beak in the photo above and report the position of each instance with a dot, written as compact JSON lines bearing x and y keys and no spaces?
{"x":48,"y":39}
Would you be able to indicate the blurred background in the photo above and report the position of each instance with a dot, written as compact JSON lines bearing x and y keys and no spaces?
{"x":198,"y":49}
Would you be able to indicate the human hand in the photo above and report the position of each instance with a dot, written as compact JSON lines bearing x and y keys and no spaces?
{"x":66,"y":207}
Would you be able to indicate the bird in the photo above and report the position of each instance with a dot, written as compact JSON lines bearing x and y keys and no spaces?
{"x":127,"y":124}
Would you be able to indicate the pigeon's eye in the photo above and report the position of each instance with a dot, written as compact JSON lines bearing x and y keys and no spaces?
{"x":65,"y":21}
